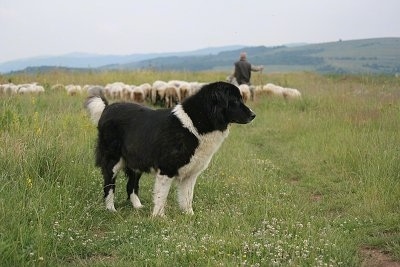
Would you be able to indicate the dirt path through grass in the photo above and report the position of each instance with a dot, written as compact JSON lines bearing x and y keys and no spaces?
{"x":376,"y":258}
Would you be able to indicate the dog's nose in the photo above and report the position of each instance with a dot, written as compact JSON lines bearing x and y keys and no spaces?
{"x":252,"y":115}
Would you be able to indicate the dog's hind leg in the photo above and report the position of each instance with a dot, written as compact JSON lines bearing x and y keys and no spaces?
{"x":132,"y":187}
{"x":185,"y":188}
{"x":110,"y":172}
{"x":161,"y":190}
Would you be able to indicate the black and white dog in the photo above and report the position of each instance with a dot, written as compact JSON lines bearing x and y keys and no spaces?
{"x":177,"y":144}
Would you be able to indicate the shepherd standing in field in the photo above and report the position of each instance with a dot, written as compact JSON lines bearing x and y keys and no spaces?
{"x":242,"y":72}
{"x":243,"y":69}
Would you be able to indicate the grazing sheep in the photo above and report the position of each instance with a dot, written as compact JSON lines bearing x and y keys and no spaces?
{"x":126,"y":92}
{"x":158,"y":92}
{"x":291,"y":93}
{"x":114,"y":90}
{"x":137,"y":94}
{"x":146,"y":87}
{"x":30,"y":88}
{"x":231,"y":79}
{"x":184,"y":90}
{"x":273,"y":90}
{"x":245,"y":92}
{"x":172,"y":94}
{"x":73,"y":89}
{"x":10,"y":88}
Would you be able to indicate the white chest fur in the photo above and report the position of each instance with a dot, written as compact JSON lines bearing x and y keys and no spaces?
{"x":208,"y":144}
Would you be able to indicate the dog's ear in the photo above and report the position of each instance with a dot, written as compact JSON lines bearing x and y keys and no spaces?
{"x":219,"y":107}
{"x":219,"y":99}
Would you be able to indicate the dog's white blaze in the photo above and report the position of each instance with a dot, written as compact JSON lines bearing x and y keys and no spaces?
{"x":95,"y":106}
{"x":208,"y":145}
{"x":161,"y":189}
{"x":185,"y":119}
{"x":110,"y":200}
{"x":135,"y":201}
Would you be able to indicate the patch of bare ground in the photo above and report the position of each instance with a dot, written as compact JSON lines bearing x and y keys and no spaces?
{"x":372,"y":257}
{"x":316,"y":197}
{"x":294,"y":180}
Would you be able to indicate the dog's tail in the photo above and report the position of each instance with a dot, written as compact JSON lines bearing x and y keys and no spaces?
{"x":95,"y":105}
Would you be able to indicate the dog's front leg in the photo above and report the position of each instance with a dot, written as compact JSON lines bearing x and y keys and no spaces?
{"x":161,"y":189}
{"x":185,"y":193}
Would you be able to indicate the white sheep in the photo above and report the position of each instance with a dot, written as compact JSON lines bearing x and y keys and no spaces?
{"x":291,"y":93}
{"x":146,"y":87}
{"x":245,"y":92}
{"x":172,"y":93}
{"x":137,"y":94}
{"x":185,"y":90}
{"x":273,"y":90}
{"x":30,"y":88}
{"x":114,"y":90}
{"x":73,"y":89}
{"x":158,"y":91}
{"x":9,"y":88}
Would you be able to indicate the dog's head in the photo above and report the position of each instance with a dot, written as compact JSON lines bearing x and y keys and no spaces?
{"x":227,"y":105}
{"x":217,"y":105}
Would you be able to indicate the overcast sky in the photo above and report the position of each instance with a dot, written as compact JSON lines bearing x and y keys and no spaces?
{"x":31,"y":28}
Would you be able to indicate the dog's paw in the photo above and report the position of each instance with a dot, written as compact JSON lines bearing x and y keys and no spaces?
{"x":112,"y":209}
{"x":189,"y":212}
{"x":138,"y":206}
{"x":158,"y":212}
{"x":136,"y":201}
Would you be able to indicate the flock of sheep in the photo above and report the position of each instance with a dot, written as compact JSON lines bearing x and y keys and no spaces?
{"x":159,"y":92}
{"x":26,"y":88}
{"x":270,"y":89}
{"x":164,"y":93}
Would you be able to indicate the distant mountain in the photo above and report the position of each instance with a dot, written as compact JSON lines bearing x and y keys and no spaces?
{"x":85,"y":60}
{"x":380,"y":55}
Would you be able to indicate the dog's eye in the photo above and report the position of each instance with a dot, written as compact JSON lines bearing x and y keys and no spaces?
{"x":235,"y":102}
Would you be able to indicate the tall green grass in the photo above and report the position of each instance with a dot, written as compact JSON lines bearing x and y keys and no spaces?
{"x":307,"y":183}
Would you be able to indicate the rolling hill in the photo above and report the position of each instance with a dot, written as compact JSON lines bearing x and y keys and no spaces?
{"x":380,"y":55}
{"x":92,"y":61}
{"x":357,"y":56}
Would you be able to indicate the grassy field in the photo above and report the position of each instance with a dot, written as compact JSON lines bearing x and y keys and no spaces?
{"x":314,"y":182}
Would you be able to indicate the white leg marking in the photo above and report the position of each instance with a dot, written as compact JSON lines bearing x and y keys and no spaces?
{"x":110,"y":197}
{"x":161,"y":190}
{"x":110,"y":201}
{"x":185,"y":193}
{"x":135,"y":201}
{"x":117,"y":167}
